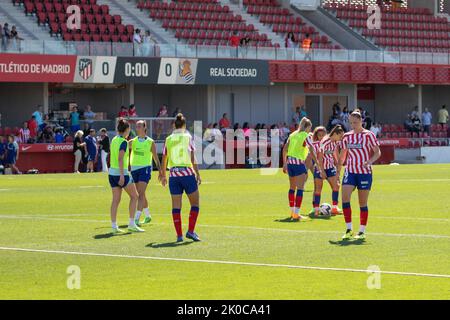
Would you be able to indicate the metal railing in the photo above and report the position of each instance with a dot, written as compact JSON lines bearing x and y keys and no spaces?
{"x":203,"y":51}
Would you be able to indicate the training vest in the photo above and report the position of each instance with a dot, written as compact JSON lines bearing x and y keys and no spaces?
{"x":115,"y":148}
{"x":177,"y":150}
{"x":297,"y":148}
{"x":141,"y":152}
{"x":306,"y":44}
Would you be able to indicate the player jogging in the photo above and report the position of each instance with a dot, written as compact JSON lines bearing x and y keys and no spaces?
{"x":295,"y":152}
{"x":179,"y":157}
{"x":328,"y":157}
{"x":119,"y":177}
{"x":357,"y":147}
{"x":318,"y":134}
{"x":143,"y":153}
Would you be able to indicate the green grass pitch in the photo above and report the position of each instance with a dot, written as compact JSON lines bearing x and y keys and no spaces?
{"x":242,"y":220}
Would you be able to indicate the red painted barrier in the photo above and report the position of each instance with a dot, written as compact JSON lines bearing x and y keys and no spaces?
{"x":46,"y":157}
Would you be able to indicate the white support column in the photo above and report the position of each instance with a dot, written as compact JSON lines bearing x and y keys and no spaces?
{"x":355,"y":96}
{"x":419,"y":98}
{"x":131,"y":92}
{"x":45,"y":98}
{"x":286,"y":105}
{"x":211,"y":101}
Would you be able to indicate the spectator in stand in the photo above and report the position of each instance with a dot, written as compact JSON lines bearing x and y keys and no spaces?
{"x":177,"y":111}
{"x":426,"y":121}
{"x":376,"y":129}
{"x":160,"y":125}
{"x":86,"y":129}
{"x":89,"y":115}
{"x":284,"y":131}
{"x":246,"y":129}
{"x":224,"y":123}
{"x":1,"y":37}
{"x":132,"y":111}
{"x":24,"y":133}
{"x":15,"y":39}
{"x":147,"y":44}
{"x":12,"y":154}
{"x":337,"y":109}
{"x":32,"y":125}
{"x":443,"y":115}
{"x":6,"y":34}
{"x":306,"y":46}
{"x":303,"y":113}
{"x":3,"y":145}
{"x":0,"y":120}
{"x":39,"y":118}
{"x":78,"y":149}
{"x":415,"y":112}
{"x":74,"y":120}
{"x":296,"y":116}
{"x":47,"y":135}
{"x":137,"y":40}
{"x":163,"y":112}
{"x":415,"y":120}
{"x":367,"y":124}
{"x":59,"y":137}
{"x":289,"y":41}
{"x":123,"y":112}
{"x":235,"y":39}
{"x":91,"y":146}
{"x":104,"y":148}
{"x":212,"y":133}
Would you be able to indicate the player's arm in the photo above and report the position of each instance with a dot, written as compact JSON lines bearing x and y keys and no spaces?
{"x":316,"y":160}
{"x":376,"y":155}
{"x":194,"y":164}
{"x":121,"y":169}
{"x":155,"y":157}
{"x":162,"y":171}
{"x":285,"y":149}
{"x":320,"y":161}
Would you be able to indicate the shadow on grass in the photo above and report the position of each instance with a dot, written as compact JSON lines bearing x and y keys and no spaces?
{"x":110,"y":235}
{"x":320,"y":217}
{"x":344,"y":243}
{"x":286,"y":220}
{"x":174,"y":244}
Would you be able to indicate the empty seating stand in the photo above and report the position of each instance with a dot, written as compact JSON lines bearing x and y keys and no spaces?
{"x":438,"y":135}
{"x":282,"y":21}
{"x":403,"y":29}
{"x":97,"y":22}
{"x":202,"y":22}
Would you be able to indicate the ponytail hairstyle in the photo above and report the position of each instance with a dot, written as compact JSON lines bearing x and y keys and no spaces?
{"x":316,"y":132}
{"x":304,"y":124}
{"x":122,"y":125}
{"x":336,"y":130}
{"x":180,"y":121}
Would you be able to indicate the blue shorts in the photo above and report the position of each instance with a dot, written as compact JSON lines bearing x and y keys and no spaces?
{"x":361,"y":181}
{"x":328,"y":172}
{"x":91,"y":156}
{"x":187,"y":184}
{"x":295,"y":170}
{"x":142,"y":175}
{"x":114,"y":181}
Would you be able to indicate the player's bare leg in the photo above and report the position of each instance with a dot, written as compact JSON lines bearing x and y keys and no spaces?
{"x":130,"y":189}
{"x":116,"y":196}
{"x":142,"y":201}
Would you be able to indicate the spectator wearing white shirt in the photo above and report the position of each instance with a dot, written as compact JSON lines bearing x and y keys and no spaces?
{"x":89,"y":115}
{"x":426,"y":121}
{"x":376,"y":129}
{"x":137,"y":40}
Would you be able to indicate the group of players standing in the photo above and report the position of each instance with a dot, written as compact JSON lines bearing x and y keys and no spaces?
{"x":325,"y":154}
{"x":321,"y":152}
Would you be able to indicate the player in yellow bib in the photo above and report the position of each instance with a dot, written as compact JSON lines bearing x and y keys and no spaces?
{"x":143,"y":153}
{"x":119,"y":177}
{"x":295,"y":152}
{"x":179,"y":157}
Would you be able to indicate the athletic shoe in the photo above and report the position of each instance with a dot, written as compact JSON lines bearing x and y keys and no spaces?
{"x":314,"y":213}
{"x":192,"y":236}
{"x":180,"y":239}
{"x":348,"y":235}
{"x":116,"y":231}
{"x":295,"y":216}
{"x":136,"y":222}
{"x":147,"y":220}
{"x":135,"y":229}
{"x":360,"y":236}
{"x":335,"y":211}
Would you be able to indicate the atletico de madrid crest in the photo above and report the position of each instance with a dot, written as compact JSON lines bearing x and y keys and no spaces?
{"x":85,"y":68}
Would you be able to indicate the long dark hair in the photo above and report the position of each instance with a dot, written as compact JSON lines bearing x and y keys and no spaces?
{"x":180,"y":121}
{"x":122,"y":125}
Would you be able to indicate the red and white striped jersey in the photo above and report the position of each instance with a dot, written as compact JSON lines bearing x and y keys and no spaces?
{"x":181,"y":172}
{"x":328,"y":147}
{"x":359,"y":147}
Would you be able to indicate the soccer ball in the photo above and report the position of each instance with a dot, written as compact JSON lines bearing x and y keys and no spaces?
{"x":325,"y":209}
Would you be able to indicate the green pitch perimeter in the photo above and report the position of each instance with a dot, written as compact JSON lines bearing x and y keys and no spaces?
{"x":250,"y":250}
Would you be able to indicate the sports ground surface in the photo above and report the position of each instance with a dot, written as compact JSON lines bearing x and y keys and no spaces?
{"x":249,"y":249}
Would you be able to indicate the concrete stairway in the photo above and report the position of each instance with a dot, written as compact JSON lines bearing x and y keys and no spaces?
{"x":249,"y":19}
{"x":140,"y":19}
{"x":26,"y":25}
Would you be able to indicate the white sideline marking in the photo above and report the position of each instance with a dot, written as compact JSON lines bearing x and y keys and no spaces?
{"x":254,"y":264}
{"x":432,"y":236}
{"x":5,"y":189}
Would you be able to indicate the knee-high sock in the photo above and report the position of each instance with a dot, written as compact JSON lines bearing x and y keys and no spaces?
{"x":363,"y":216}
{"x":291,"y":197}
{"x":298,"y":200}
{"x":335,"y":197}
{"x":347,"y":214}
{"x":316,"y":201}
{"x":176,"y":216}
{"x":193,"y":218}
